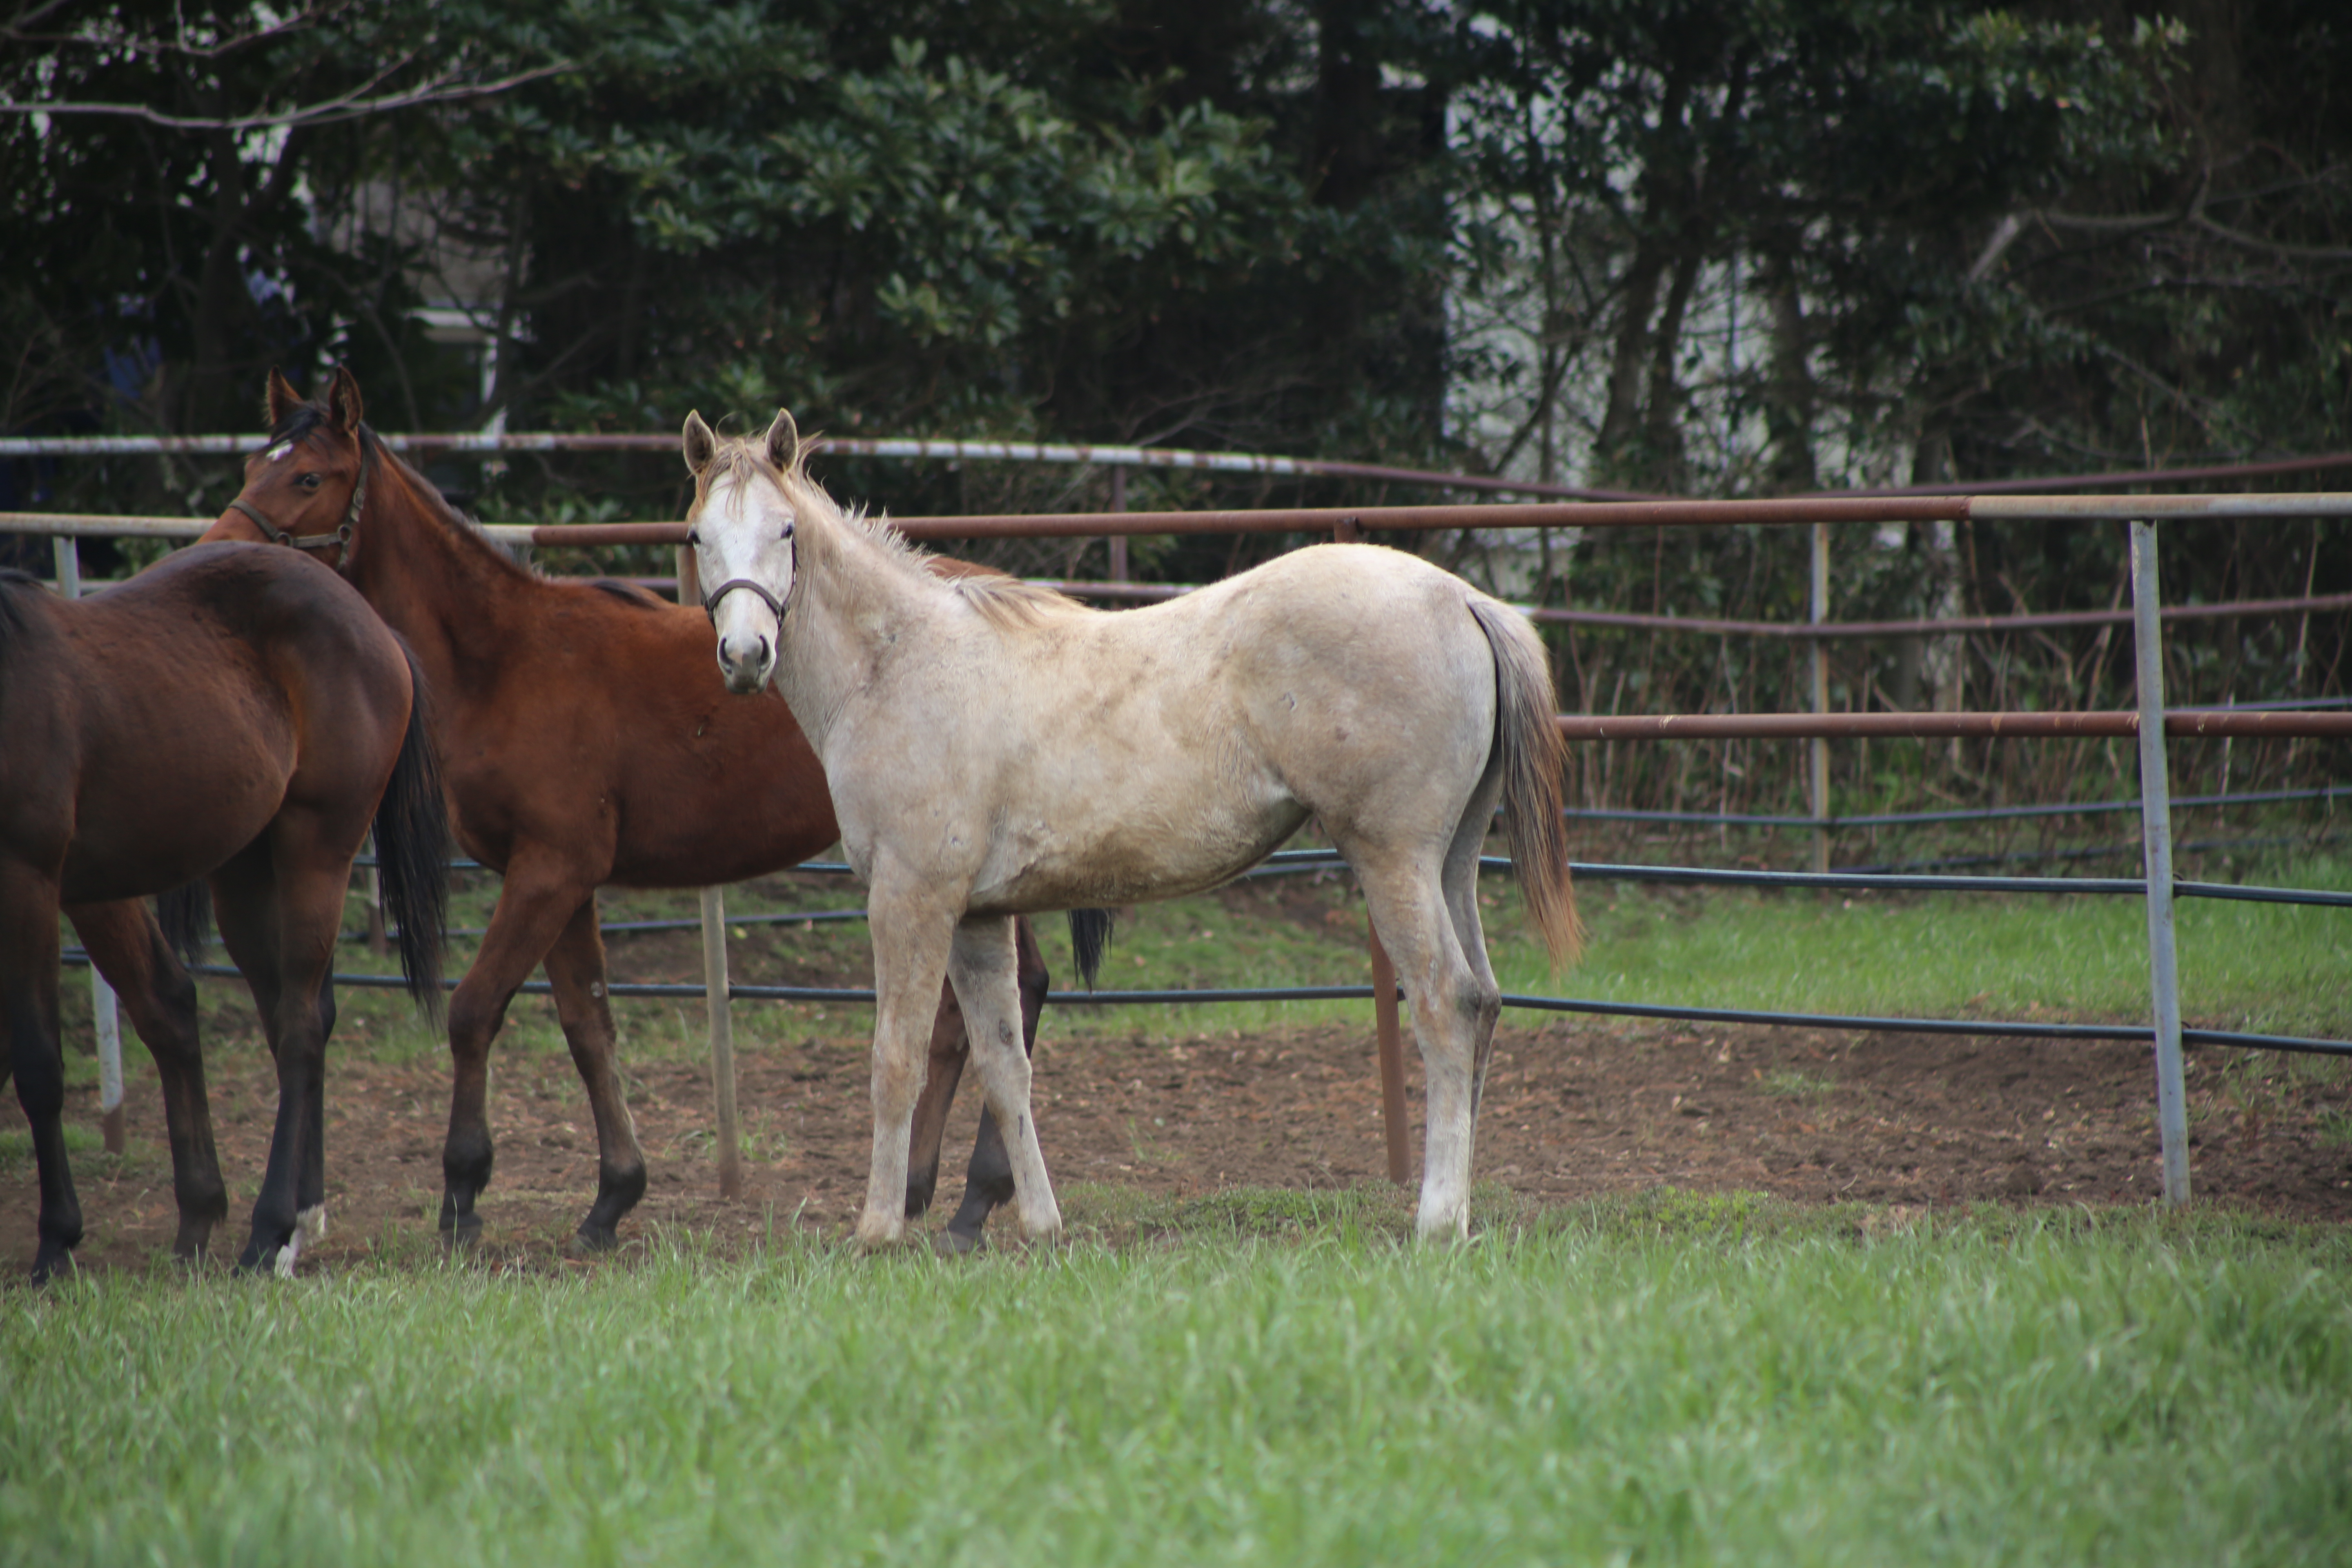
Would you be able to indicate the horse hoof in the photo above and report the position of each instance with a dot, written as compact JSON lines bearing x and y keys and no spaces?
{"x":459,"y":1234}
{"x":49,"y":1265}
{"x":590,"y":1240}
{"x":953,"y":1243}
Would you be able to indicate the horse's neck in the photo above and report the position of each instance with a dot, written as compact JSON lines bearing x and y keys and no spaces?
{"x":858,"y":607}
{"x":438,"y":588}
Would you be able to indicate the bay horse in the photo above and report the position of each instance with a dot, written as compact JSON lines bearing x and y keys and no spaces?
{"x":995,"y":748}
{"x":586,"y":741}
{"x":235,"y":714}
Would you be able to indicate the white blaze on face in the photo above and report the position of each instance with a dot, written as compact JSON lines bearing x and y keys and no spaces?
{"x":280,"y":453}
{"x":741,"y":538}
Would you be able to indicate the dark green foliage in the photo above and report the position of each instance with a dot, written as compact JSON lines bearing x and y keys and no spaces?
{"x":1696,"y":246}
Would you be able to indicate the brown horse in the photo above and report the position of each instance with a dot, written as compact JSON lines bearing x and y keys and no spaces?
{"x":586,"y":739}
{"x":234,"y":714}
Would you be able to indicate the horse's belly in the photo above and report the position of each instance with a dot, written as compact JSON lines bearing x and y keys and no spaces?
{"x":1142,"y":861}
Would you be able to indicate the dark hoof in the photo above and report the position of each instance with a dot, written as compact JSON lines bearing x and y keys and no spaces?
{"x":953,"y":1243}
{"x":590,"y":1240}
{"x":51,"y":1264}
{"x":462,"y":1232}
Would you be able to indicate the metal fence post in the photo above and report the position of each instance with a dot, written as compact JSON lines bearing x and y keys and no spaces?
{"x":2156,"y":833}
{"x":714,"y":975}
{"x":104,"y":1013}
{"x":1819,"y":779}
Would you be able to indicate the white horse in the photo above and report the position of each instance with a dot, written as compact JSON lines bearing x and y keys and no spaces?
{"x":996,"y":748}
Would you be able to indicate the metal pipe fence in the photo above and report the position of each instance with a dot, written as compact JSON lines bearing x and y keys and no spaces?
{"x":2150,"y":725}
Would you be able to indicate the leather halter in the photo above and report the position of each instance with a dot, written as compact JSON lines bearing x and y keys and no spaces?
{"x":775,"y":605}
{"x":342,"y":535}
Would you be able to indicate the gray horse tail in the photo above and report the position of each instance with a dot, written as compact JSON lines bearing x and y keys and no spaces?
{"x":1533,"y":755}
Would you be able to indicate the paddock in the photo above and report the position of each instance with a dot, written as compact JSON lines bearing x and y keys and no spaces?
{"x":2022,"y":1176}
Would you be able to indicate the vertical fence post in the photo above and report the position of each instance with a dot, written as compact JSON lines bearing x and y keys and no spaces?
{"x":714,"y":975}
{"x":1119,"y":541}
{"x":1388,"y":1027}
{"x":1818,"y":777}
{"x":723,"y":1041}
{"x":104,"y":1013}
{"x":2156,"y":835}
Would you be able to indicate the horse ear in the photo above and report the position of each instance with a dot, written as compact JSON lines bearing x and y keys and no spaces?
{"x":281,"y":399}
{"x":344,"y":407}
{"x":783,"y":442}
{"x":699,"y":444}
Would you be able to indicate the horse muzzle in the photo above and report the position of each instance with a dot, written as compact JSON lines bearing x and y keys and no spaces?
{"x":746,"y":663}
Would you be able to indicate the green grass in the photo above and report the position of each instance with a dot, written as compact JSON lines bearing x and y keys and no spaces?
{"x":1673,"y":1379}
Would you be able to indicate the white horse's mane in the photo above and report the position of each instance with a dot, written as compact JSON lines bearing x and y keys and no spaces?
{"x":1004,"y":599}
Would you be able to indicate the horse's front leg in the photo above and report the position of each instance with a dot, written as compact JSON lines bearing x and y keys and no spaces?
{"x":28,"y":1008}
{"x":911,"y":934}
{"x":129,"y":948}
{"x":982,"y":965}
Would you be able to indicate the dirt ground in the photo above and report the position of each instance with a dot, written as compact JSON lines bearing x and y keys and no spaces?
{"x":1574,"y":1108}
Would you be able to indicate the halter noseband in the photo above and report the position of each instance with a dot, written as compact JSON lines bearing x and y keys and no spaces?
{"x":342,"y":535}
{"x":710,"y":600}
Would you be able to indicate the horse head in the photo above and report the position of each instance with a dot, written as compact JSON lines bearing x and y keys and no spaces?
{"x":741,"y":527}
{"x":308,"y":484}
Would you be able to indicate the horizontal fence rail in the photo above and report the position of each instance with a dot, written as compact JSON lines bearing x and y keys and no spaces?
{"x":2150,"y":726}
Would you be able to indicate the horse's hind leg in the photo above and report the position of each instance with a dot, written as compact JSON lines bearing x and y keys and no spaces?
{"x":988,"y":1184}
{"x":536,"y":902}
{"x":279,"y":904}
{"x":1461,"y":884}
{"x":983,"y":964}
{"x":29,"y":1002}
{"x":129,"y":948}
{"x":1454,"y":1008}
{"x":575,"y":968}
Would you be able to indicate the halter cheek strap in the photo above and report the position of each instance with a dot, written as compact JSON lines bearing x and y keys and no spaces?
{"x":342,"y":535}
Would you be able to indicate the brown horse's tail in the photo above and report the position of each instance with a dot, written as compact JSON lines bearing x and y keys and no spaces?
{"x":412,"y":849}
{"x":1533,"y":755}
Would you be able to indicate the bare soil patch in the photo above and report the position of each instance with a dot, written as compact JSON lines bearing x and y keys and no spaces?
{"x":1574,"y":1109}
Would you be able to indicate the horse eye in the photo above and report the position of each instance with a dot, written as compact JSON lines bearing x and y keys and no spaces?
{"x":694,"y":538}
{"x":311,"y":481}
{"x":788,"y":530}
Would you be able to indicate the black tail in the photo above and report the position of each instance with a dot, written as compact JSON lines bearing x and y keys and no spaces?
{"x":1089,"y":939}
{"x":412,"y":850}
{"x":186,"y":913}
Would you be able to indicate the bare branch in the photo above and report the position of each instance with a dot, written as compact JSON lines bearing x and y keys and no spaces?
{"x":346,"y":106}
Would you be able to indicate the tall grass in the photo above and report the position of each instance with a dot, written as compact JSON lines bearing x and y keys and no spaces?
{"x":1678,"y":1380}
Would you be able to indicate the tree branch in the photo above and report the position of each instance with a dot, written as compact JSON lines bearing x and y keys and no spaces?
{"x":347,"y":106}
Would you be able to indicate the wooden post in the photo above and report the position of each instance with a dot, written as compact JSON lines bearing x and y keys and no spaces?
{"x":1119,"y":541}
{"x":714,"y":975}
{"x":1386,"y":1023}
{"x":104,"y":1013}
{"x":723,"y":1041}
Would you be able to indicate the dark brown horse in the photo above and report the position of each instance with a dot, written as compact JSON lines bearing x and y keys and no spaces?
{"x":586,"y":739}
{"x":234,"y":714}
